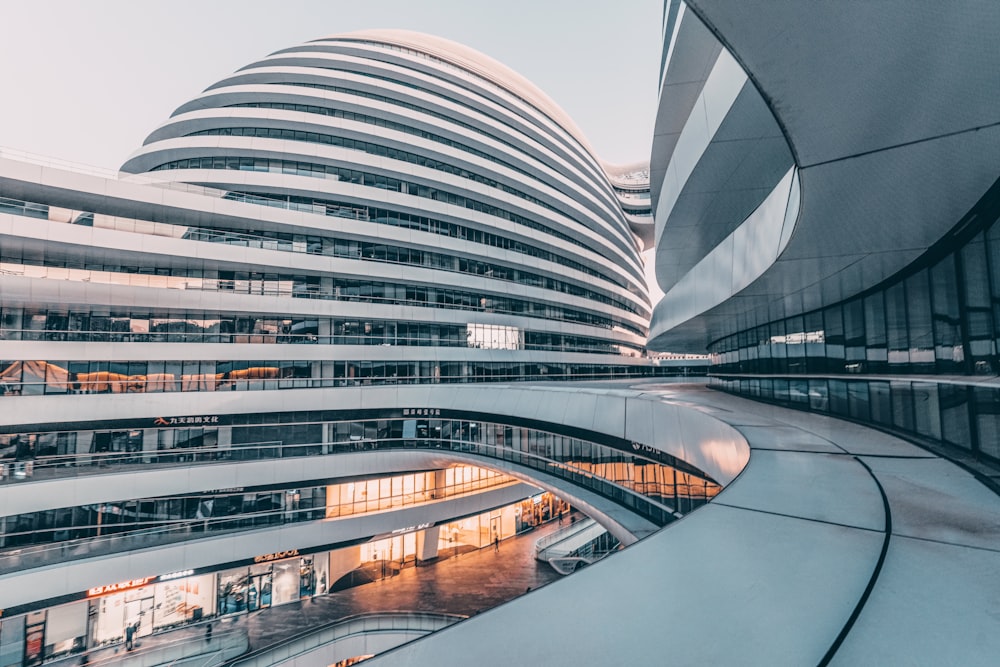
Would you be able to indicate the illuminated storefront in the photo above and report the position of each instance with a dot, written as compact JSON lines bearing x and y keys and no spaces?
{"x":274,"y":580}
{"x":537,"y":510}
{"x":411,"y":489}
{"x":158,"y":603}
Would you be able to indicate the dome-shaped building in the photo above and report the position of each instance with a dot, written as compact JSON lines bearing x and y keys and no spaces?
{"x":206,"y":358}
{"x":500,"y":226}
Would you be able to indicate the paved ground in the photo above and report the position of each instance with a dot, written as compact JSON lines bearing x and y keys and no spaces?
{"x":467,"y":584}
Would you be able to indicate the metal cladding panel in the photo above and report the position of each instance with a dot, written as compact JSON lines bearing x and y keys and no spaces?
{"x":860,"y":221}
{"x":639,"y":421}
{"x":692,"y":57}
{"x":893,"y":146}
{"x":845,"y":80}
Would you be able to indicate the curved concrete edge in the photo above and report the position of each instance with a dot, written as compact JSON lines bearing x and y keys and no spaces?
{"x":690,"y":52}
{"x":605,"y":408}
{"x":608,"y":408}
{"x":859,"y":163}
{"x":836,"y":543}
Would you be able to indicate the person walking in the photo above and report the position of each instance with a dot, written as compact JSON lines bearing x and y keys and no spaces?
{"x":129,"y":634}
{"x":496,"y":542}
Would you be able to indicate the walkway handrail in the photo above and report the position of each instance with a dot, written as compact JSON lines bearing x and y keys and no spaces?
{"x":384,"y":621}
{"x":224,"y":642}
{"x":656,"y":512}
{"x":558,"y":535}
{"x":178,"y":530}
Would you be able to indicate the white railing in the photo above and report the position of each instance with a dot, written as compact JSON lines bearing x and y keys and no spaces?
{"x":568,"y":541}
{"x":410,"y":622}
{"x":225,"y":645}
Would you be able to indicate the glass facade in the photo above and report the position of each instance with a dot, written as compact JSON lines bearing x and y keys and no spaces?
{"x":305,"y":243}
{"x":312,"y":287}
{"x":939,"y":317}
{"x":379,"y":181}
{"x":942,"y":318}
{"x":38,"y":377}
{"x":360,"y":250}
{"x":116,"y":326}
{"x":168,"y":519}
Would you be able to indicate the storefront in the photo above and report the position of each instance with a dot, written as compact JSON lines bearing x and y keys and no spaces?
{"x":387,"y":556}
{"x":55,"y":632}
{"x":183,"y":600}
{"x":276,"y":579}
{"x":161,"y":602}
{"x":149,"y":605}
{"x":478,"y":531}
{"x":537,"y":510}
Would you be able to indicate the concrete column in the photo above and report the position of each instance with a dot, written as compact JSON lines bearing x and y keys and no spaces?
{"x":149,"y":441}
{"x":427,"y":543}
{"x":438,"y":490}
{"x":225,"y":437}
{"x":343,"y":561}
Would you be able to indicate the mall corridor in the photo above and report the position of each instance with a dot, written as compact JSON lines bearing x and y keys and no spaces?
{"x":464,"y":585}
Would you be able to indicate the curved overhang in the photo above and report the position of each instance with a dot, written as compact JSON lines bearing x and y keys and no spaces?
{"x":728,"y":158}
{"x":690,"y":52}
{"x":892,"y":114}
{"x":632,"y":178}
{"x":609,"y":409}
{"x":643,"y":229}
{"x":844,"y":81}
{"x":680,"y":320}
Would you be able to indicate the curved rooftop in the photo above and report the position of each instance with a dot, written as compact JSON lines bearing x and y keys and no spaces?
{"x":474,"y":62}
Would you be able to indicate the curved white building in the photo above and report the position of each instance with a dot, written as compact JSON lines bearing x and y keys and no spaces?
{"x":430,"y":157}
{"x":291,"y":337}
{"x":203,"y":358}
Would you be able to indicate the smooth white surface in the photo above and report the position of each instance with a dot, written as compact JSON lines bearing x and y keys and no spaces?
{"x":730,"y":267}
{"x":746,"y":581}
{"x":822,"y":487}
{"x":935,"y":604}
{"x":961,"y":511}
{"x":715,"y":588}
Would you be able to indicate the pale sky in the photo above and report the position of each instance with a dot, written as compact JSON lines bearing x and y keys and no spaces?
{"x":87,"y":81}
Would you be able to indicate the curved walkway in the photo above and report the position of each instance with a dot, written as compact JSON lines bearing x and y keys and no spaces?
{"x":836,"y":545}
